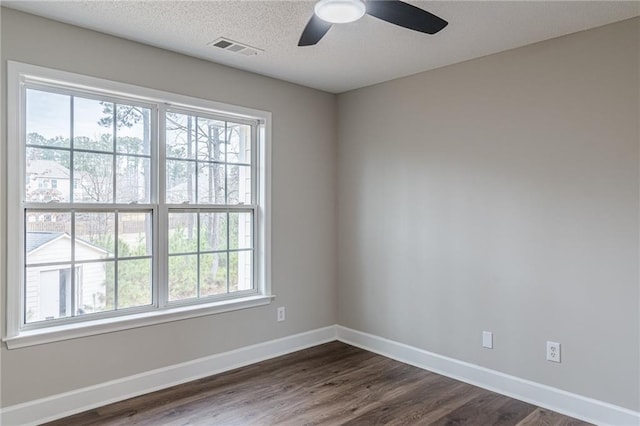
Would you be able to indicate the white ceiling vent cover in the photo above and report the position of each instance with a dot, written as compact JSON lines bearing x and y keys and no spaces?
{"x":234,"y":46}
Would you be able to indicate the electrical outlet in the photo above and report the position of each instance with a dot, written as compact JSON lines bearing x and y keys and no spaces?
{"x":553,"y":351}
{"x":281,"y":313}
{"x":487,"y":339}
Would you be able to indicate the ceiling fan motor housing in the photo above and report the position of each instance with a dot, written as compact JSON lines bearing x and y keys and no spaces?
{"x":340,"y":11}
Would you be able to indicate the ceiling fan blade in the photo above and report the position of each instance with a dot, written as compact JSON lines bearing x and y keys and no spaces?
{"x":405,"y":15}
{"x":316,"y":29}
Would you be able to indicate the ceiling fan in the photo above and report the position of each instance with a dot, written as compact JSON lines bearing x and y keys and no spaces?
{"x":329,"y":12}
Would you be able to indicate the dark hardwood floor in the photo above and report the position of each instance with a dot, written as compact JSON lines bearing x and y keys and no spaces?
{"x":331,"y":384}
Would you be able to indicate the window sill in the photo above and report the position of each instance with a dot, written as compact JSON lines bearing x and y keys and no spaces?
{"x":91,"y":328}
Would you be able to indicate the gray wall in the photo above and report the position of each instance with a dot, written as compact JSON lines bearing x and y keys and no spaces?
{"x":304,"y":215}
{"x":501,"y":194}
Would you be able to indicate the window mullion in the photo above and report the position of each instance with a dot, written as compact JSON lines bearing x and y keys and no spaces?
{"x":196,"y":199}
{"x":226,"y":187}
{"x":228,"y":252}
{"x":255,"y":266}
{"x":87,"y":207}
{"x":198,"y":255}
{"x":115,"y":261}
{"x":114,"y":163}
{"x":71,"y":159}
{"x":73,"y":265}
{"x":161,"y":259}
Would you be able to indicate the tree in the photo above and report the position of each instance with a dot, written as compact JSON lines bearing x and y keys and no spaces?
{"x":133,"y":276}
{"x":191,"y":137}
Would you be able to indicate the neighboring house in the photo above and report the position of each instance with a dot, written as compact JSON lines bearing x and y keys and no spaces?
{"x":49,"y":287}
{"x":47,"y":180}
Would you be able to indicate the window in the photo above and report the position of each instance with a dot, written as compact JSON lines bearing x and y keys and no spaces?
{"x":208,"y":163}
{"x":156,"y":201}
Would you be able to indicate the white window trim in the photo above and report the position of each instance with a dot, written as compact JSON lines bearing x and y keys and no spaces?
{"x":14,"y":337}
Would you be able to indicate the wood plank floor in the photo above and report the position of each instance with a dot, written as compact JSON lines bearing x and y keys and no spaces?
{"x":330,"y":384}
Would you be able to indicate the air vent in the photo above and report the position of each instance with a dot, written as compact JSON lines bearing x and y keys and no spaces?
{"x":235,"y":47}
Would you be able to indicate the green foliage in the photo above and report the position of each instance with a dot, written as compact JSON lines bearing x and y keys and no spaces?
{"x":103,"y":143}
{"x":134,"y":277}
{"x":183,"y":269}
{"x":134,"y":283}
{"x":37,"y":139}
{"x":60,"y":157}
{"x":129,"y":145}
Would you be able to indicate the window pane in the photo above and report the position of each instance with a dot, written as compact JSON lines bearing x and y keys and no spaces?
{"x":48,"y":119}
{"x":183,"y":233}
{"x":213,"y":231}
{"x":133,"y":129}
{"x":43,"y":167}
{"x":94,"y":173}
{"x":238,"y":184}
{"x":240,"y":270}
{"x":240,"y":230}
{"x":239,"y":146}
{"x":180,"y":136}
{"x":183,"y":277}
{"x":95,"y":286}
{"x":181,"y":182}
{"x":92,"y":125}
{"x":134,"y":234}
{"x":213,"y":274}
{"x":95,"y":236}
{"x":134,"y":283}
{"x":47,"y":237}
{"x":211,"y":183}
{"x":48,"y":293}
{"x":211,"y":139}
{"x":133,"y":179}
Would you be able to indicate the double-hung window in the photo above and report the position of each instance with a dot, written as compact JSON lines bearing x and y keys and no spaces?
{"x":158,"y":211}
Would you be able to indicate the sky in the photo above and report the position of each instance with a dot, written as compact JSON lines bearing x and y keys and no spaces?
{"x":49,"y":114}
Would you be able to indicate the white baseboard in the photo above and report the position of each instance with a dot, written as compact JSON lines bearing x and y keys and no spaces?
{"x":580,"y":407}
{"x":79,"y":400}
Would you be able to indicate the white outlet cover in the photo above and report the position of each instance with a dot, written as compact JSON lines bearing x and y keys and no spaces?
{"x":553,"y":351}
{"x":487,"y":339}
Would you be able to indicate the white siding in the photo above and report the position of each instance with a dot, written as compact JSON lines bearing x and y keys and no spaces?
{"x":90,"y":287}
{"x":92,"y":291}
{"x":54,"y":251}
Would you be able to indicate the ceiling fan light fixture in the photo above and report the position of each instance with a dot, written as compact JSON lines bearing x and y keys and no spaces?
{"x":340,"y":11}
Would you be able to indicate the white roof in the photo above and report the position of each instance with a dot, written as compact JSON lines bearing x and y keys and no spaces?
{"x":47,"y":168}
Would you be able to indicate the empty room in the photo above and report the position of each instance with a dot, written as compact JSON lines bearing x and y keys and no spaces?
{"x":320,"y":212}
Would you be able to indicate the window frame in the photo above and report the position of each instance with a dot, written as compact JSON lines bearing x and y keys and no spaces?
{"x":18,"y":332}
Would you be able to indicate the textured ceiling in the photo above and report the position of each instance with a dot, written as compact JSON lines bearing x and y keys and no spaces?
{"x":350,"y":56}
